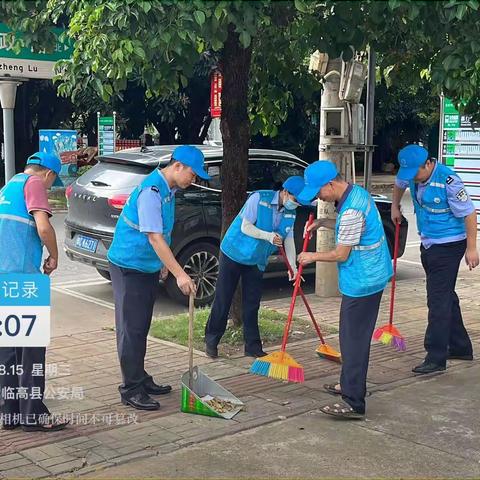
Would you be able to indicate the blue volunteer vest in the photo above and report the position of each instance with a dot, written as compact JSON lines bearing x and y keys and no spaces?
{"x":434,"y":217}
{"x":368,"y":268}
{"x":251,"y":251}
{"x":20,"y":245}
{"x":130,"y":248}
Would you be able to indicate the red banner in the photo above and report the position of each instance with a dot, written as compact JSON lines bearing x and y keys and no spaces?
{"x":216,"y":95}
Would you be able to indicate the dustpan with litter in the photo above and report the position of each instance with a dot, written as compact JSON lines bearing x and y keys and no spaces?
{"x":200,"y":394}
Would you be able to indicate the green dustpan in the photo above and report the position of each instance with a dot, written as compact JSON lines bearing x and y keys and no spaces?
{"x":198,"y":388}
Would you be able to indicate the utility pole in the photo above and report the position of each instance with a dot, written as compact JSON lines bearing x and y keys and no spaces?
{"x":332,"y":126}
{"x":341,"y":134}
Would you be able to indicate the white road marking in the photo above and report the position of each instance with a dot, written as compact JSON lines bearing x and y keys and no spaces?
{"x":410,"y":262}
{"x":87,"y":298}
{"x":85,"y":281}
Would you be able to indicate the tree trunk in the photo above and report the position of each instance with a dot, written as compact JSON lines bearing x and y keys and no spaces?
{"x":235,"y":128}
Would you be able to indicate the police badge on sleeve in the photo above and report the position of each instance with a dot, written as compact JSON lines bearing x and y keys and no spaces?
{"x":462,"y":195}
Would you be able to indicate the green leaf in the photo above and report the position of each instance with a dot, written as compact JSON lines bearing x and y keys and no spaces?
{"x":140,"y":52}
{"x":146,"y":6}
{"x":218,"y":12}
{"x":199,"y":17}
{"x":217,"y":44}
{"x":461,"y":10}
{"x":301,"y":6}
{"x":245,"y":39}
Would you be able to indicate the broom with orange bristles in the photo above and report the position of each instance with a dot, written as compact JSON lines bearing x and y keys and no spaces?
{"x":388,"y":334}
{"x":324,"y":350}
{"x":281,"y":365}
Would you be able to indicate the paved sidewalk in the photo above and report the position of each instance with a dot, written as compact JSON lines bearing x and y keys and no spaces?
{"x":107,"y":434}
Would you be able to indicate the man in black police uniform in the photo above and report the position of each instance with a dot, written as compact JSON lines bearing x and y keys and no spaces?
{"x":447,"y":225}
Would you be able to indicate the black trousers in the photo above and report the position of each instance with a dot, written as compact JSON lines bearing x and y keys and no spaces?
{"x":229,"y":275}
{"x":134,"y":293}
{"x":445,"y":331}
{"x":357,"y":322}
{"x":24,"y":368}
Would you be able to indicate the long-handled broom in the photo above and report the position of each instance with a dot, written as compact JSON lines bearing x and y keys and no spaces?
{"x":324,"y":350}
{"x":388,"y":334}
{"x":281,"y":365}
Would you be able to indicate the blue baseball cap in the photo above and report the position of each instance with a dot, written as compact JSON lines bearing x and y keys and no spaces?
{"x":50,"y":161}
{"x":294,"y":185}
{"x":411,"y":158}
{"x":193,"y":158}
{"x":316,"y":176}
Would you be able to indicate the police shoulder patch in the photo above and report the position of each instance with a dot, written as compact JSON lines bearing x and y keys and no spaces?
{"x":155,"y":189}
{"x":462,"y":195}
{"x":449,"y":180}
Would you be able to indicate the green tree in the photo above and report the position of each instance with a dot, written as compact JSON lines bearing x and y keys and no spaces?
{"x":262,"y":48}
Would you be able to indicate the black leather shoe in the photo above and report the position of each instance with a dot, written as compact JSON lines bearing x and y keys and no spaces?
{"x":259,"y":354}
{"x":453,"y":356}
{"x":428,"y":367}
{"x":141,"y":401}
{"x":211,"y":351}
{"x":153,"y":389}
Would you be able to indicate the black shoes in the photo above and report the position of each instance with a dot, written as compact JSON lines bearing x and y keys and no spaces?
{"x":428,"y":367}
{"x":259,"y":354}
{"x":151,"y":388}
{"x":211,"y":351}
{"x":141,"y":401}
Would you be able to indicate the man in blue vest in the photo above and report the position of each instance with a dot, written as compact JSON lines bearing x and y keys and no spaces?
{"x":140,"y":250}
{"x":264,"y":223}
{"x":24,"y":229}
{"x":447,"y":225}
{"x":364,"y":268}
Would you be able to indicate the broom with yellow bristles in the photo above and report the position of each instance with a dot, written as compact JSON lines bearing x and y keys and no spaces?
{"x":388,"y":334}
{"x":324,"y":350}
{"x":281,"y":365}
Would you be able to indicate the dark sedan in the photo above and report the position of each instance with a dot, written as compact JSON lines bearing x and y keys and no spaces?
{"x":96,"y":199}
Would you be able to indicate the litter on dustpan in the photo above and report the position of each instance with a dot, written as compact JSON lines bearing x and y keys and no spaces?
{"x":200,"y":394}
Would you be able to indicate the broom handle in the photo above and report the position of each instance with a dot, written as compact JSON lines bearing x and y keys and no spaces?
{"x":394,"y":278}
{"x":304,"y":298}
{"x":306,"y":237}
{"x":191,"y":312}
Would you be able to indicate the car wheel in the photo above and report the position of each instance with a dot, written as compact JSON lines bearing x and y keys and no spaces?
{"x":105,"y":274}
{"x":200,"y":261}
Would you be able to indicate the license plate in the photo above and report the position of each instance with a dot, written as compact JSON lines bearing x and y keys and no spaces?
{"x":86,"y":243}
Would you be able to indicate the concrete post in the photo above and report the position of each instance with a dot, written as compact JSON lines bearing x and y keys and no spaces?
{"x":326,"y":282}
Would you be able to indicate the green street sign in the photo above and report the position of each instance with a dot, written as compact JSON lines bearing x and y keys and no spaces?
{"x":105,"y":121}
{"x":459,"y":148}
{"x":27,"y":63}
{"x":106,"y":134}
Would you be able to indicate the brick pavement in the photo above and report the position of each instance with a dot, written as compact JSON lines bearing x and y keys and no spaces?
{"x":92,"y":362}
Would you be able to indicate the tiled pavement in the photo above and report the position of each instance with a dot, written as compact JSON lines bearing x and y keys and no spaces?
{"x":107,"y":433}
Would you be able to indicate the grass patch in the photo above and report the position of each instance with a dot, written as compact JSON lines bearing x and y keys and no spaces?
{"x":271,"y":323}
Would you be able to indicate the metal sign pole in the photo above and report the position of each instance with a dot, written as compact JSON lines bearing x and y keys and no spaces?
{"x":114,"y":132}
{"x":8,"y":92}
{"x":367,"y":178}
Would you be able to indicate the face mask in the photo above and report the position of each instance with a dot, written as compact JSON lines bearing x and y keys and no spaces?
{"x":290,"y":204}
